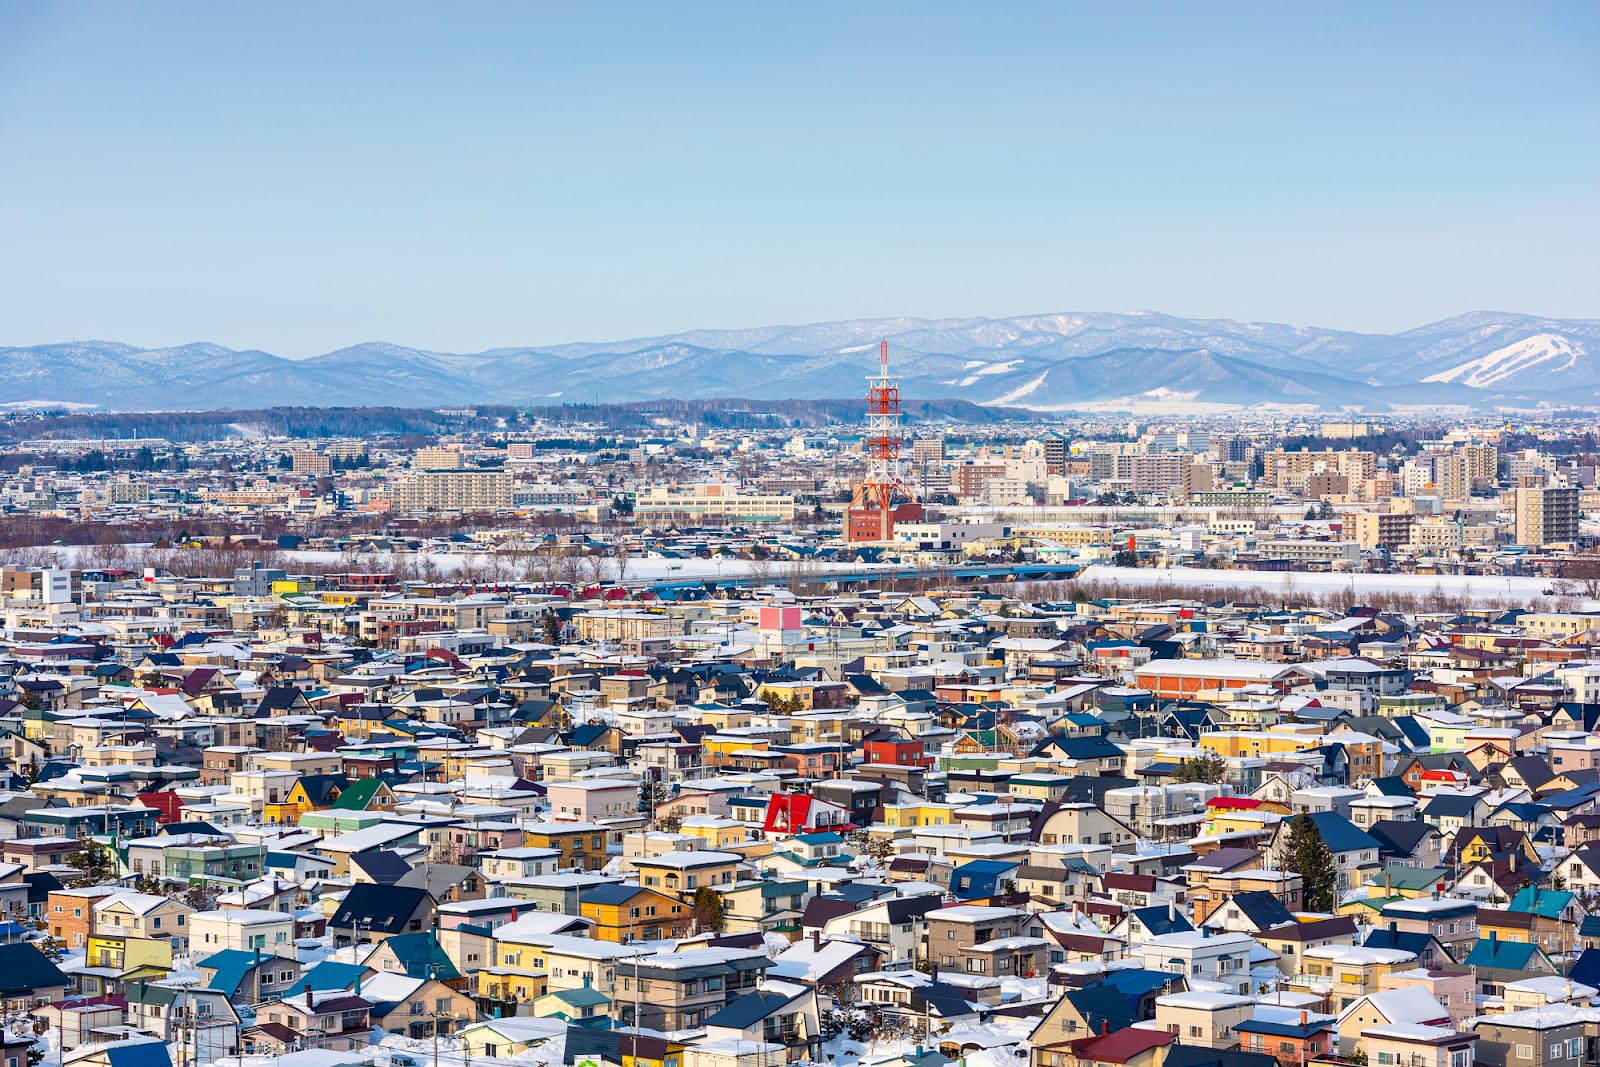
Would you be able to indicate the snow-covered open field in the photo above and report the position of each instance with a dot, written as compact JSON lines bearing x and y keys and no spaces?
{"x":639,"y":568}
{"x":1480,"y":588}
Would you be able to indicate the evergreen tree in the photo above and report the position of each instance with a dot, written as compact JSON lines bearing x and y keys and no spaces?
{"x":707,"y":910}
{"x":1308,"y":855}
{"x":1208,"y":767}
{"x":94,"y":860}
{"x":651,"y":793}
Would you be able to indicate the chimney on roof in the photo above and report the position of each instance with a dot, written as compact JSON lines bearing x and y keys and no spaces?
{"x":308,"y":994}
{"x":1392,"y":926}
{"x":1304,"y":1018}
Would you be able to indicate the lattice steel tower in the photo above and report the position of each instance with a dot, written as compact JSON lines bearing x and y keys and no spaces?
{"x":877,"y":494}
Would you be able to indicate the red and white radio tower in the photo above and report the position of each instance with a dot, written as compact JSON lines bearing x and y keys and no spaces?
{"x":873,"y":510}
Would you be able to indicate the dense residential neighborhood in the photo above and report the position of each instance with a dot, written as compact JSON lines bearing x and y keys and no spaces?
{"x":538,"y":743}
{"x":746,"y":824}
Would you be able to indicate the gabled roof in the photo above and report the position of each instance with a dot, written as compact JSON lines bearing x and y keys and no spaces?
{"x":320,"y":789}
{"x":231,"y":966}
{"x":1508,"y":955}
{"x":1159,"y":919}
{"x":1392,"y":786}
{"x":612,"y":893}
{"x":1137,"y":982}
{"x":1531,"y":769}
{"x":24,"y":969}
{"x":384,"y":909}
{"x":381,"y":865}
{"x":1587,"y":968}
{"x":1121,"y":1046}
{"x":1340,"y":834}
{"x":941,"y":1000}
{"x":357,"y":795}
{"x":422,"y":956}
{"x":979,"y":878}
{"x":1395,"y":876}
{"x":1547,"y":903}
{"x":1262,"y":909}
{"x":1102,"y":1006}
{"x":1450,"y":805}
{"x":752,"y":1008}
{"x":1416,"y":943}
{"x":329,"y":975}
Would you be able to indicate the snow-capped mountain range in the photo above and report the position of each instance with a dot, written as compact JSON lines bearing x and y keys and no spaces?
{"x":1063,"y":362}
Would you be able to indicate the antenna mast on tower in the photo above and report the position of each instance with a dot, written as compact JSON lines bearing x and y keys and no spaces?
{"x":872,"y":510}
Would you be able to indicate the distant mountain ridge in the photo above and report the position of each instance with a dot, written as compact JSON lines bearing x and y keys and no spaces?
{"x":1060,"y":362}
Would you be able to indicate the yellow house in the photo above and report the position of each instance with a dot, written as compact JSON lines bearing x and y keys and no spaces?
{"x":923,"y":813}
{"x":1236,"y":743}
{"x":519,"y":982}
{"x":682,"y":873}
{"x":345,"y":597}
{"x":1474,"y":849}
{"x":820,"y":726}
{"x":1224,"y":821}
{"x":722,"y":717}
{"x":718,"y":749}
{"x":293,"y":586}
{"x":313,"y":792}
{"x":1349,"y":972}
{"x":582,"y":845}
{"x":1248,"y":716}
{"x":625,"y":913}
{"x":122,"y":958}
{"x":718,"y":833}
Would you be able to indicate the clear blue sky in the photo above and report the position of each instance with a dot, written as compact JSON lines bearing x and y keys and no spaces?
{"x":297,"y":177}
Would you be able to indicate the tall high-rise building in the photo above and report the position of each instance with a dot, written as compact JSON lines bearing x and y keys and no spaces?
{"x":1055,"y":454}
{"x":1452,"y":476}
{"x":1547,"y":515}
